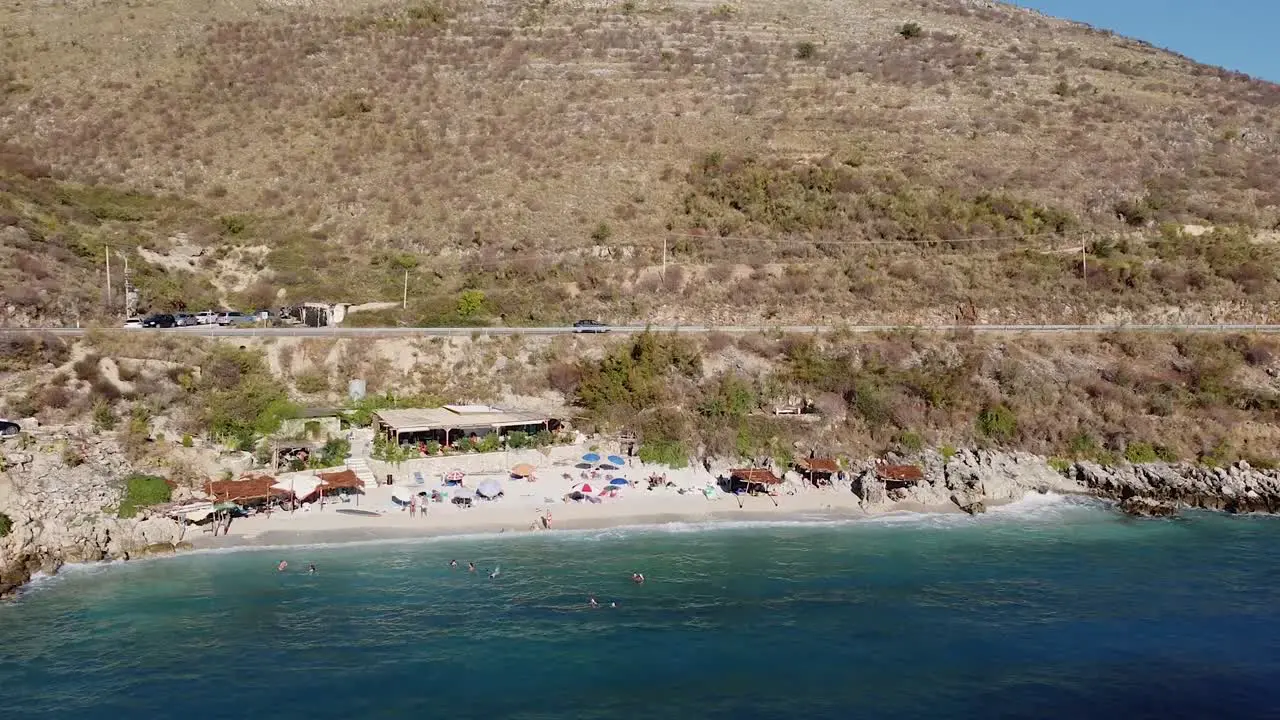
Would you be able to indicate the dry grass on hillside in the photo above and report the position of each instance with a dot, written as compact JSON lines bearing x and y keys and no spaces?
{"x":542,"y":151}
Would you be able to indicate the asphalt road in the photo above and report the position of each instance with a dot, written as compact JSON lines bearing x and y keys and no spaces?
{"x":206,"y":331}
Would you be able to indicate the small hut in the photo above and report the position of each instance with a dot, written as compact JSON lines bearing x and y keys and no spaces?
{"x":752,"y":480}
{"x":899,"y":476}
{"x":341,"y":482}
{"x":247,"y":491}
{"x":818,"y":471}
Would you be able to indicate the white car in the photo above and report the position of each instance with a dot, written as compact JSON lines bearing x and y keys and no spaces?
{"x":208,"y":317}
{"x":133,"y":322}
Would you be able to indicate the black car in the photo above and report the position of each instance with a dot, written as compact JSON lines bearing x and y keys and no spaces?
{"x":8,"y":428}
{"x":590,"y":326}
{"x":160,"y":321}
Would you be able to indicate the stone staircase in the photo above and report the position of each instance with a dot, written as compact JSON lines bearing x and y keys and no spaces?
{"x":361,"y":468}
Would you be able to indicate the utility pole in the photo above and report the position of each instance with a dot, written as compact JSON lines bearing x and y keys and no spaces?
{"x":404,"y":300}
{"x":108,"y":279}
{"x":664,"y":258}
{"x":1084,"y":261}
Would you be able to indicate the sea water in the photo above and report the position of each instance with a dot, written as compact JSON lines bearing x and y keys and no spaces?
{"x":1049,"y":608}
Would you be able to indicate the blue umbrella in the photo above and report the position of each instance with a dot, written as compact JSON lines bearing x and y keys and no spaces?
{"x":616,"y":460}
{"x":591,"y":458}
{"x":618,"y":481}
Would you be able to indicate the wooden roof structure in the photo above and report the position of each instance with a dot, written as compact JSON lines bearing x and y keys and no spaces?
{"x":340,"y":480}
{"x":819,"y":465}
{"x":900,"y":473}
{"x":752,"y":476}
{"x":249,"y":487}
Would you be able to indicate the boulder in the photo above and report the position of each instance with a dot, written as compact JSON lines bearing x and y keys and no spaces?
{"x":1146,"y":507}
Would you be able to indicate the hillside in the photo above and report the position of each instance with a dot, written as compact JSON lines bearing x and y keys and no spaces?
{"x":529,"y":161}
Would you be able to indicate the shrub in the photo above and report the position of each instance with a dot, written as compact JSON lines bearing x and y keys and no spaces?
{"x":238,"y":397}
{"x":602,"y":232}
{"x":671,"y":453}
{"x":470,"y":303}
{"x":805,"y":50}
{"x":998,"y":422}
{"x":434,"y":447}
{"x":312,"y":381}
{"x":1061,"y":465}
{"x":910,"y":442}
{"x":103,"y":418}
{"x":1140,"y":453}
{"x":517,"y":439}
{"x":488,"y":443}
{"x":910,"y":30}
{"x":142,"y":491}
{"x":6,"y":525}
{"x":948,"y":452}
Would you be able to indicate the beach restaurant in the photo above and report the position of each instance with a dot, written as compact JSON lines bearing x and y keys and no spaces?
{"x":452,"y":422}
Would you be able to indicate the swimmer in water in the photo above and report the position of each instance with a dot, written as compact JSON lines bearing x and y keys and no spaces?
{"x":312,"y":570}
{"x":471,"y":567}
{"x":284,"y":564}
{"x":591,"y":601}
{"x":496,"y":572}
{"x":637,"y":578}
{"x":613,"y":604}
{"x":453,"y":564}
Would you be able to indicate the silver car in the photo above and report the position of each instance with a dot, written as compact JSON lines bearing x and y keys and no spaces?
{"x":184,"y":319}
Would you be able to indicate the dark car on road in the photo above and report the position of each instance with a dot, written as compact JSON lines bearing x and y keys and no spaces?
{"x":590,"y":326}
{"x":160,"y":321}
{"x":9,"y":428}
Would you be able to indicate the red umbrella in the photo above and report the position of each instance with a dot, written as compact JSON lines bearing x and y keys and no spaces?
{"x":454,"y":476}
{"x":584,"y":488}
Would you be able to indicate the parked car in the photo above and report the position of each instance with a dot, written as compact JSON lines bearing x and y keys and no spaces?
{"x":208,"y":317}
{"x":163,"y":320}
{"x":235,"y":317}
{"x":185,"y":319}
{"x":590,"y":326}
{"x":133,"y":322}
{"x":9,"y":428}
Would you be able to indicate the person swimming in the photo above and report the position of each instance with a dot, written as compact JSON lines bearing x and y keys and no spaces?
{"x":471,"y":567}
{"x":312,"y":569}
{"x":591,"y":601}
{"x":496,"y":572}
{"x":637,"y":578}
{"x":284,"y":565}
{"x":453,"y":563}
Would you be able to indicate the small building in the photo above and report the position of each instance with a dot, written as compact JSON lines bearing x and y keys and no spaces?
{"x":899,"y":476}
{"x":452,"y":422}
{"x":752,"y":480}
{"x":818,"y":471}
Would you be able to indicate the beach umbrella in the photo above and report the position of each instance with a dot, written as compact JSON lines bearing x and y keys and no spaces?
{"x":584,"y":488}
{"x":489,"y":489}
{"x":611,"y":491}
{"x":584,"y":466}
{"x":464,"y":493}
{"x":454,"y":476}
{"x":591,"y":458}
{"x":618,"y":481}
{"x":522,"y":470}
{"x":616,"y":460}
{"x":608,"y":467}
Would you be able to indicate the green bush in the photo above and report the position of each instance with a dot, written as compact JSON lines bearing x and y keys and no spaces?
{"x":488,"y":443}
{"x":142,"y":491}
{"x":910,"y":30}
{"x":671,"y":453}
{"x":910,"y":442}
{"x":637,"y":375}
{"x":332,"y":454}
{"x":313,"y":382}
{"x":103,"y":418}
{"x":805,"y":50}
{"x":240,"y":400}
{"x":433,"y":447}
{"x":948,"y":452}
{"x":6,"y":525}
{"x":1060,"y":464}
{"x":998,"y":422}
{"x":1140,"y":453}
{"x":602,"y":232}
{"x":517,"y":439}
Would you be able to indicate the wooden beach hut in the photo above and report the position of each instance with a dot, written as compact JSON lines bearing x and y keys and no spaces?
{"x":818,"y":471}
{"x":753,"y":480}
{"x":899,"y":476}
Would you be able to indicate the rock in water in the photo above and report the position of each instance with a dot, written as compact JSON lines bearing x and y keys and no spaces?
{"x":1146,"y":507}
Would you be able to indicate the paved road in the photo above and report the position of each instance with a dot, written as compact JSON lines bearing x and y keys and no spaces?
{"x":241,"y":332}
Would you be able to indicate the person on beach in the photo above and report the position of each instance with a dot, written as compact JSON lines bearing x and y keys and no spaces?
{"x":637,"y":578}
{"x":413,"y":507}
{"x":471,"y":567}
{"x":546,"y":520}
{"x":284,"y":564}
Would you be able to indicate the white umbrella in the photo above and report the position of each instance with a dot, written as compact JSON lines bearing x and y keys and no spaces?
{"x":489,"y":489}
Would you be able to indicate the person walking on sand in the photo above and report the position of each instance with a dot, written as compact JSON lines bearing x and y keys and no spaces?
{"x":413,"y":507}
{"x":546,"y":520}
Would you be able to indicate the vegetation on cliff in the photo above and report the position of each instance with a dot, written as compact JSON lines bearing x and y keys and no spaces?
{"x":142,"y":491}
{"x":550,"y":157}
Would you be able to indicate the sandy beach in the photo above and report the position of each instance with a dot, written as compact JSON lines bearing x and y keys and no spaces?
{"x":524,"y":503}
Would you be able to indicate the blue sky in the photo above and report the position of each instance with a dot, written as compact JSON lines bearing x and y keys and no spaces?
{"x":1235,"y":34}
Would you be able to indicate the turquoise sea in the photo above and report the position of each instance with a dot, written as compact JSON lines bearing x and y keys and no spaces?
{"x":1049,"y":608}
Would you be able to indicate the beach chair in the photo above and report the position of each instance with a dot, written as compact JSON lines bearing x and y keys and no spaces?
{"x":418,"y":479}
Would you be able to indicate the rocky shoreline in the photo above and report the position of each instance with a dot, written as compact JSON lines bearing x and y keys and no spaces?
{"x":60,"y":511}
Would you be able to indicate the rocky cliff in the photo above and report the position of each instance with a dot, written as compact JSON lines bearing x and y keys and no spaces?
{"x":1160,"y":488}
{"x":60,"y":491}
